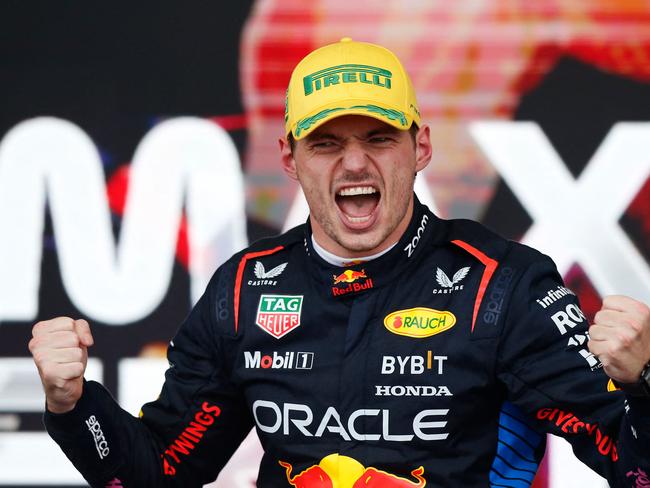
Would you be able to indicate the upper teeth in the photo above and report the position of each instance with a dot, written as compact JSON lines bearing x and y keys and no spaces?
{"x":357,"y":190}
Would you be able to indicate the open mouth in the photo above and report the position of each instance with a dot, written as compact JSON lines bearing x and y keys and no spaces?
{"x":357,"y":203}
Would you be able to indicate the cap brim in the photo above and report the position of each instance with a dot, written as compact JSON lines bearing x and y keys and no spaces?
{"x":390,"y":116}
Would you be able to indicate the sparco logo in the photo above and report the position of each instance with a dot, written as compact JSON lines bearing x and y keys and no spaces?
{"x":293,"y":418}
{"x":410,"y":247}
{"x":495,"y":299}
{"x":100,"y":441}
{"x":288,"y":360}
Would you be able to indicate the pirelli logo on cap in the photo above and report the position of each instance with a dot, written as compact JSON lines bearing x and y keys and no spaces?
{"x":419,"y":322}
{"x":347,"y":73}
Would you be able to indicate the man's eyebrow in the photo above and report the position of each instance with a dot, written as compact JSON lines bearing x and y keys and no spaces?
{"x":322,"y":135}
{"x":382,"y":130}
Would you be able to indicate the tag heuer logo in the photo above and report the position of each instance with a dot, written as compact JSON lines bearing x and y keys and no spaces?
{"x":449,"y":285}
{"x":279,"y":314}
{"x":265,"y":277}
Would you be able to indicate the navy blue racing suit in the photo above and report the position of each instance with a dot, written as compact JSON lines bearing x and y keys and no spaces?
{"x":441,"y":363}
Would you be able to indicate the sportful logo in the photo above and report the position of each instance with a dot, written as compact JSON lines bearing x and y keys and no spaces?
{"x":279,"y":314}
{"x":264,"y":277}
{"x":347,"y":73}
{"x":449,"y":285}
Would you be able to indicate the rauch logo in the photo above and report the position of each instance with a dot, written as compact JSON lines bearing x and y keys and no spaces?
{"x":279,"y":314}
{"x":419,"y":322}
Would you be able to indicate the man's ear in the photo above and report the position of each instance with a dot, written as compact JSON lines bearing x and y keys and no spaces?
{"x":423,"y":149}
{"x":286,"y":155}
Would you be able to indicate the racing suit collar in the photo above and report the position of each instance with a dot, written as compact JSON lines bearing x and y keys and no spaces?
{"x":423,"y":230}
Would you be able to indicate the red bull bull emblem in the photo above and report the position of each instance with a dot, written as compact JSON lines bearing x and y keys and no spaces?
{"x":336,"y":471}
{"x":348,"y":282}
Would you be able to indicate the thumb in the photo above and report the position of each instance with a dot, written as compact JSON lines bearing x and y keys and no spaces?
{"x":83,"y":331}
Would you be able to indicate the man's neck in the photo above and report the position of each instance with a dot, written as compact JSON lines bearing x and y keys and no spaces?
{"x":345,"y":261}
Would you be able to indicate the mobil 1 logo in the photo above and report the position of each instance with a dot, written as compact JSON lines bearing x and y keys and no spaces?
{"x":286,"y":360}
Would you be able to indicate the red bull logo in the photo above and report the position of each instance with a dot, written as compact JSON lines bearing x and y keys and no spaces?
{"x":351,"y":278}
{"x":336,"y":471}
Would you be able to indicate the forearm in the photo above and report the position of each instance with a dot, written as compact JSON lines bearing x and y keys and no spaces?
{"x":104,"y":442}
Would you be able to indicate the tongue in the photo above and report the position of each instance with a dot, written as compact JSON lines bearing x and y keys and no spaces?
{"x":358,"y":205}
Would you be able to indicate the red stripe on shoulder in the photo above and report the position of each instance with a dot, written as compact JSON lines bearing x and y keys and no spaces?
{"x":490,"y":266}
{"x":240,"y":275}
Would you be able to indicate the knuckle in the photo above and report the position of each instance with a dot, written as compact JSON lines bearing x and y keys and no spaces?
{"x":39,"y":327}
{"x":78,"y":370}
{"x":39,"y":357}
{"x":49,"y":377}
{"x":599,"y":317}
{"x":642,"y":309}
{"x":634,"y":326}
{"x":75,"y":370}
{"x":625,"y":340}
{"x":604,"y":360}
{"x":613,"y":350}
{"x":77,"y":354}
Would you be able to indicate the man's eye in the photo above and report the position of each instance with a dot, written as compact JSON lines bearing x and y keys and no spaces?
{"x":380,"y":139}
{"x":323,"y":145}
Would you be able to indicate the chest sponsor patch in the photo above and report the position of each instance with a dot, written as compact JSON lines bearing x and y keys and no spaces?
{"x":351,"y":281}
{"x":419,"y":322}
{"x":448,"y":285}
{"x":265,"y":277}
{"x":279,"y":314}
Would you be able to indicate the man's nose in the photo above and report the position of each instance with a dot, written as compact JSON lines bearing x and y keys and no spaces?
{"x":355,"y":157}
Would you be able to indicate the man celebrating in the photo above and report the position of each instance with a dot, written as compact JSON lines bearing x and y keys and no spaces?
{"x":376,"y":345}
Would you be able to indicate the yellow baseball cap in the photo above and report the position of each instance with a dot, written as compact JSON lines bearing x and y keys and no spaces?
{"x":345,"y":78}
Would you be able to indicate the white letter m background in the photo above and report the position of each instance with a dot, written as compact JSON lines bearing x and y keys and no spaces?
{"x":184,"y":161}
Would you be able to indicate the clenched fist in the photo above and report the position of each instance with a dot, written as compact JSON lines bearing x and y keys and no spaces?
{"x":60,"y":350}
{"x":620,"y":337}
